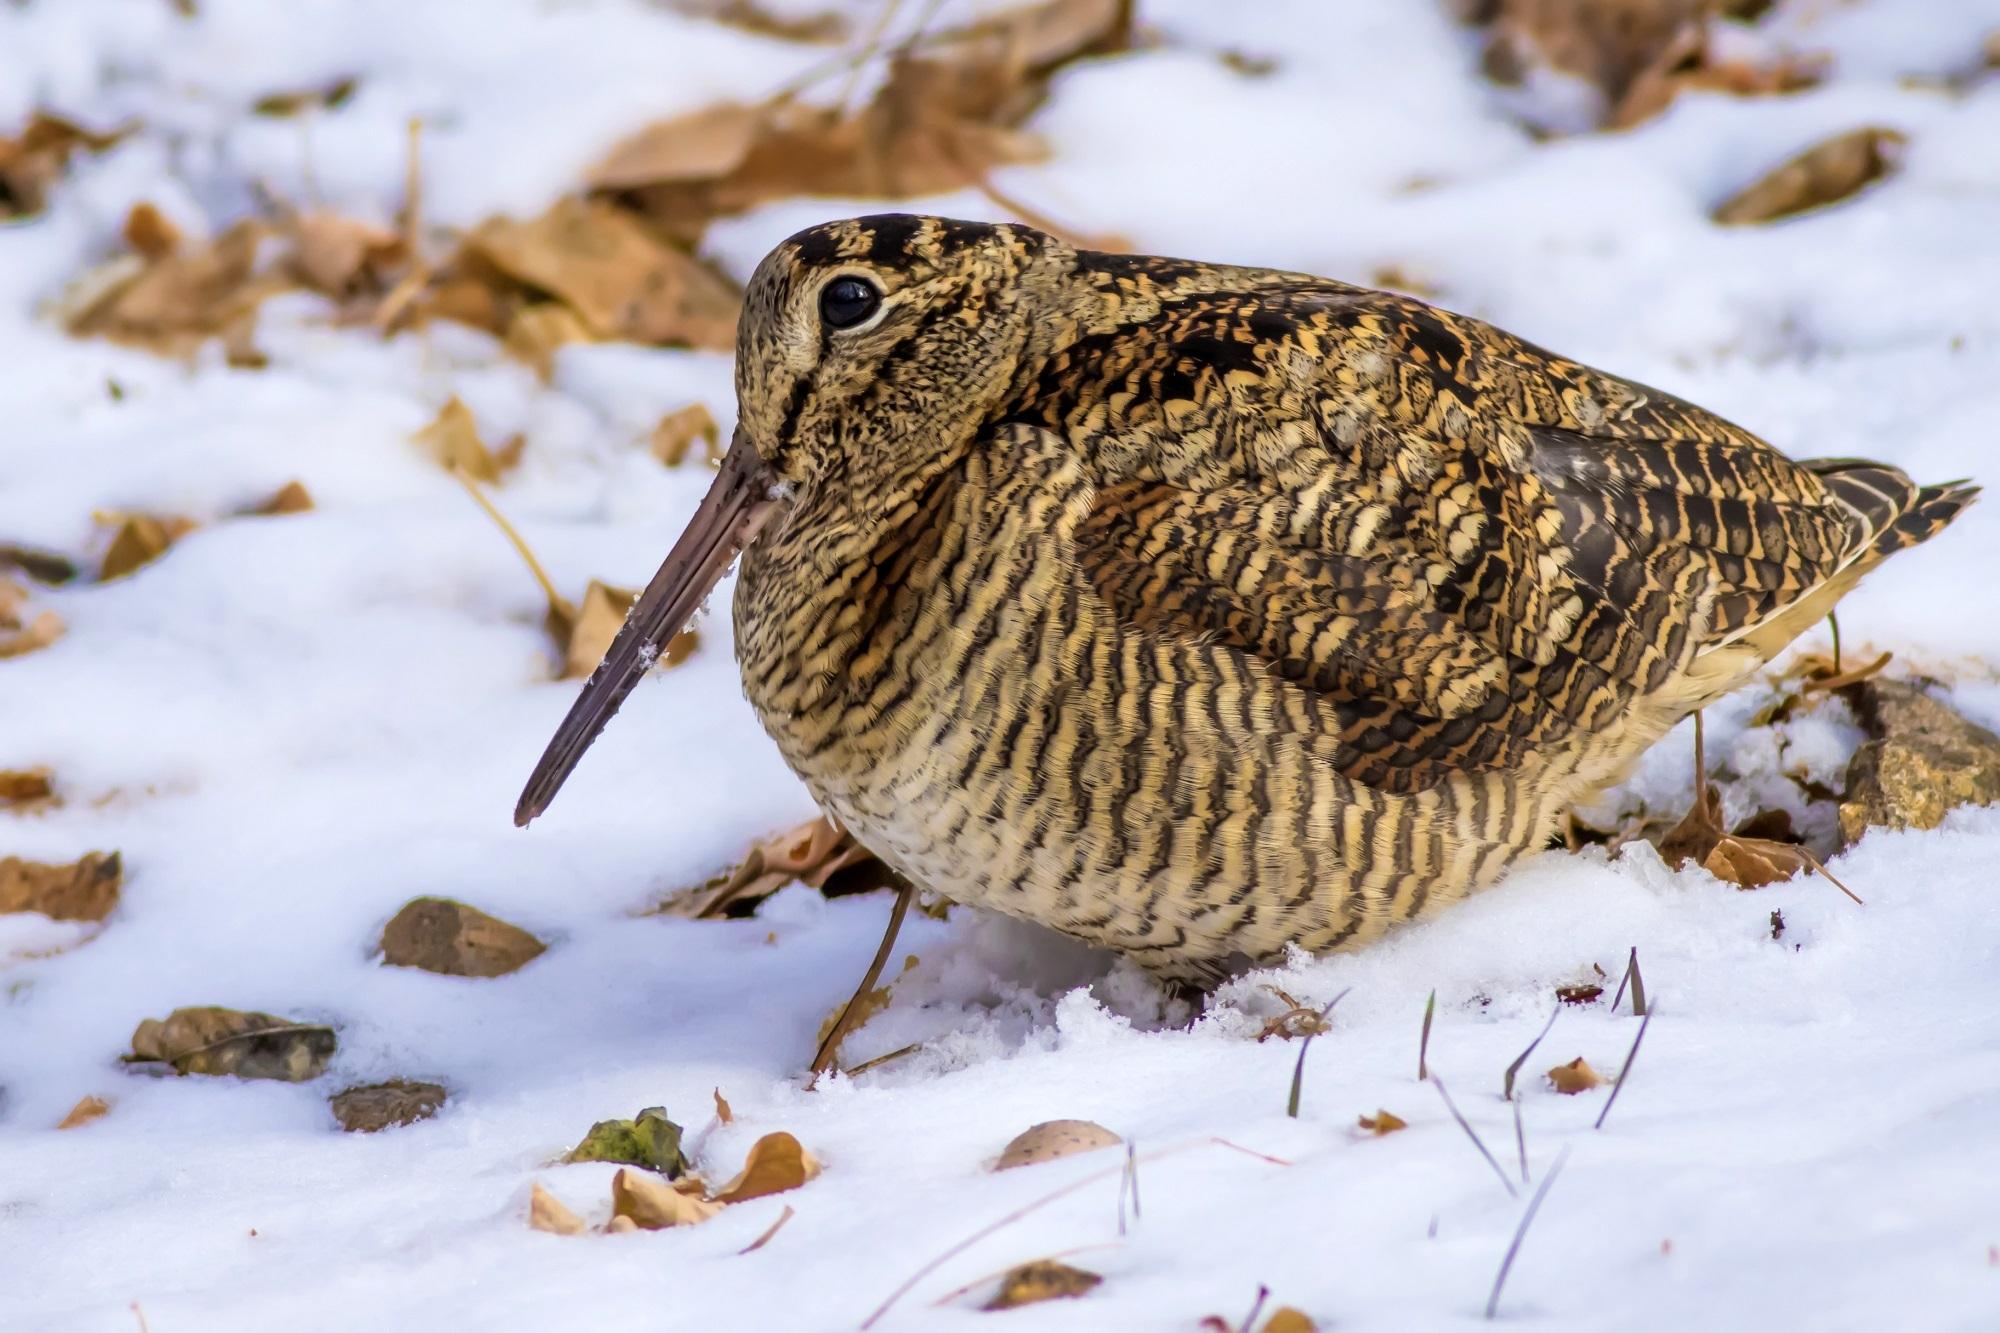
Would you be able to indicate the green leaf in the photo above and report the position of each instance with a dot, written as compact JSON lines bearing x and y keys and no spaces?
{"x":648,"y":1139}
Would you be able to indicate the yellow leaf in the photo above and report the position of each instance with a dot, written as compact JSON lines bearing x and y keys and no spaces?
{"x":453,"y":439}
{"x":678,"y":431}
{"x":596,"y":625}
{"x":1574,"y":1077}
{"x":26,"y":789}
{"x":538,"y":331}
{"x":1383,"y":1122}
{"x":548,"y":1213}
{"x":722,"y":1111}
{"x":85,"y":1111}
{"x":291,"y":498}
{"x":1826,"y":173}
{"x":140,"y":540}
{"x":653,"y":1204}
{"x":1285,"y":1319}
{"x":83,"y":890}
{"x":776,"y":1163}
{"x":1052,"y":1139}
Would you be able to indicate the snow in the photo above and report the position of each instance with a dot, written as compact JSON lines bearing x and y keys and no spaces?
{"x":290,"y":727}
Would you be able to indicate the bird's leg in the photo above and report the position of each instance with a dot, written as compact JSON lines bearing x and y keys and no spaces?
{"x":824,"y":1057}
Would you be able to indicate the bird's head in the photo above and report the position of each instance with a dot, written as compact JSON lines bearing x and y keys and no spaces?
{"x":868,"y":355}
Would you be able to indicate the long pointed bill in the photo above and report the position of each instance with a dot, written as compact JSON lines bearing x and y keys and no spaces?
{"x":728,"y":520}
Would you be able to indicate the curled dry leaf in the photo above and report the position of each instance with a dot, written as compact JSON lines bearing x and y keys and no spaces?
{"x":33,"y":160}
{"x":1041,"y":1280}
{"x":213,"y":1040}
{"x":648,"y":1139}
{"x":1574,"y":1077}
{"x":291,"y":498}
{"x":1741,"y":858}
{"x":453,"y":439}
{"x":22,"y":631}
{"x":652,"y":1204}
{"x":36,"y":563}
{"x":1582,"y":993}
{"x":23,"y":790}
{"x":777,"y":1162}
{"x":1921,"y":760}
{"x":458,"y":940}
{"x":592,"y":627}
{"x":1052,"y":1139}
{"x":1383,"y":1122}
{"x":86,"y":1110}
{"x":722,"y":1111}
{"x":139,"y":540}
{"x":83,"y":890}
{"x":1826,"y":173}
{"x":387,"y":1105}
{"x":548,"y":1213}
{"x":149,"y":233}
{"x":174,"y":302}
{"x":678,"y":431}
{"x":341,"y":257}
{"x":813,"y":853}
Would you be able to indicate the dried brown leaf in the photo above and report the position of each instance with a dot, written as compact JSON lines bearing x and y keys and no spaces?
{"x":596,"y":624}
{"x":777,"y":1163}
{"x":701,"y":145}
{"x":813,"y":853}
{"x":1053,"y":1139}
{"x":291,"y":498}
{"x":377,"y":1106}
{"x":722,"y":1111}
{"x":548,"y":1213}
{"x":1574,"y":1077}
{"x":148,"y":232}
{"x":537,"y":331}
{"x":213,"y":1040}
{"x":453,"y":439}
{"x":140,"y":540}
{"x":33,"y":160}
{"x":26,"y":789}
{"x":44,"y":629}
{"x":652,"y":1204}
{"x":1041,"y":1280}
{"x":294,"y":101}
{"x":1383,"y":1122}
{"x":173,"y":303}
{"x":1827,"y":173}
{"x":826,"y":27}
{"x":83,"y":890}
{"x":440,"y":935}
{"x":1285,"y":1319}
{"x":340,"y":256}
{"x":86,"y":1110}
{"x":678,"y":430}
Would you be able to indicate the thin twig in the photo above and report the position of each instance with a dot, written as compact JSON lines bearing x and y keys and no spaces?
{"x":558,"y":605}
{"x":1520,"y":1232}
{"x":1520,"y":1139}
{"x":1638,"y":984}
{"x":1806,"y":854}
{"x":1438,"y":1083}
{"x":878,"y":1061}
{"x":1507,"y":1084}
{"x":823,"y":1058}
{"x":1129,"y":1182}
{"x":1624,"y":1070}
{"x":961,"y":1247}
{"x":769,"y":1232}
{"x":140,"y":1315}
{"x":1299,"y":1069}
{"x":1249,"y":1323}
{"x":1424,"y":1040}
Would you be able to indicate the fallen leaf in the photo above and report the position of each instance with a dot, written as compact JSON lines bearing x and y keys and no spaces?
{"x":700,"y":145}
{"x":595,"y":625}
{"x":815,"y":853}
{"x":441,"y":935}
{"x":548,"y":1213}
{"x":621,"y":281}
{"x":1826,"y":173}
{"x":148,"y":232}
{"x":291,"y":103}
{"x":26,"y":789}
{"x":859,"y":1010}
{"x":377,"y":1106}
{"x":140,"y":540}
{"x":1574,"y":1077}
{"x":342,"y":257}
{"x":17,"y":639}
{"x":83,"y":890}
{"x":652,"y":1204}
{"x":291,"y":498}
{"x":86,"y":1110}
{"x":722,"y":1111}
{"x":1921,"y":760}
{"x":1041,"y":1280}
{"x":212,"y":1040}
{"x":173,"y":303}
{"x":33,"y":160}
{"x":678,"y":431}
{"x":1052,"y":1139}
{"x":1285,"y":1319}
{"x":649,"y":1139}
{"x":537,"y":331}
{"x":42,"y":566}
{"x":1383,"y":1122}
{"x":776,"y":1163}
{"x":824,"y":27}
{"x":453,"y":439}
{"x":1586,"y":993}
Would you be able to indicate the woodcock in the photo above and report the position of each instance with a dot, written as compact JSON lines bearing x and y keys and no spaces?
{"x":1197,"y":611}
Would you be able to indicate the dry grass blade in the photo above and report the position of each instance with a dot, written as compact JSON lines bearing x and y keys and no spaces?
{"x":1840,"y":680}
{"x":1299,"y":1069}
{"x":1256,"y":1308}
{"x":559,"y":606}
{"x":1520,"y":1139}
{"x":1520,"y":1232}
{"x":1507,"y":1084}
{"x":1624,"y":1070}
{"x":1424,"y":1039}
{"x":1472,"y":1134}
{"x":878,"y":1061}
{"x":1637,"y":982}
{"x":1129,"y":1184}
{"x":769,"y":1232}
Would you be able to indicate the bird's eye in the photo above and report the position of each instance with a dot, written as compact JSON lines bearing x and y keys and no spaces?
{"x":846,"y":302}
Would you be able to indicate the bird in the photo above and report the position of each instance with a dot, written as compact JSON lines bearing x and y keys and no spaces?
{"x":1202,"y":612}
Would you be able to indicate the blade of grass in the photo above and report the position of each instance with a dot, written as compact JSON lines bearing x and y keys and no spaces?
{"x":1305,"y":1044}
{"x":1520,"y":1140}
{"x":769,"y":1232}
{"x":1424,"y":1040}
{"x":1630,"y":1055}
{"x":1520,"y":1232}
{"x":1507,"y":1084}
{"x":1249,"y":1323}
{"x":1637,"y":982}
{"x":1470,"y":1133}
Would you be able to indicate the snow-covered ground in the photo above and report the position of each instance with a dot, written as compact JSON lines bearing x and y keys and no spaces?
{"x":290,"y":727}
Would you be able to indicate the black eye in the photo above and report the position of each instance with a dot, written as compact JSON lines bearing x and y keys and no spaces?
{"x":846,"y":302}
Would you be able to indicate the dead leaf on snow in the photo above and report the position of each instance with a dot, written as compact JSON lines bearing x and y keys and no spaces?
{"x":23,"y":631}
{"x":371,"y":1107}
{"x":213,"y":1040}
{"x":291,"y":498}
{"x":592,"y":627}
{"x":86,"y":1110}
{"x":1574,"y":1077}
{"x":1383,"y":1122}
{"x":822,"y":27}
{"x":678,"y":430}
{"x":456,"y":939}
{"x":341,"y":257}
{"x":33,"y":160}
{"x":722,"y":1111}
{"x":38,"y":564}
{"x":293,"y":102}
{"x":24,"y":790}
{"x":148,"y":232}
{"x":453,"y":439}
{"x":649,"y":1139}
{"x":1286,"y":1319}
{"x":537,"y":331}
{"x":175,"y":302}
{"x":1827,"y":173}
{"x":1041,"y":1280}
{"x":548,"y":1213}
{"x":700,"y":145}
{"x":777,"y":1162}
{"x":83,"y":890}
{"x":652,"y":1204}
{"x":139,"y":540}
{"x":1053,"y":1139}
{"x":814,"y":853}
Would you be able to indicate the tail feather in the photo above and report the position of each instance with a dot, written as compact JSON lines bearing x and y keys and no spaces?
{"x":1893,"y":513}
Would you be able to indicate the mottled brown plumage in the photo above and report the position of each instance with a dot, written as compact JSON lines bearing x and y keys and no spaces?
{"x":1198,"y":611}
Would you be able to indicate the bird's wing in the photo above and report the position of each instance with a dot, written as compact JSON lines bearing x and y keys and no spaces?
{"x":1452,"y":546}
